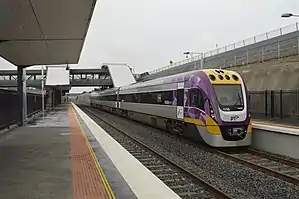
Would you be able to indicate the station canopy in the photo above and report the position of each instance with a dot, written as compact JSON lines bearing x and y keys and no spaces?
{"x":43,"y":32}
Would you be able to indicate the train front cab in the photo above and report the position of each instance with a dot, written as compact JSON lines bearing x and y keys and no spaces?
{"x":211,"y":132}
{"x":221,"y":115}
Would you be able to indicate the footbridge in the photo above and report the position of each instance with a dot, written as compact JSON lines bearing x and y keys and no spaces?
{"x":106,"y":76}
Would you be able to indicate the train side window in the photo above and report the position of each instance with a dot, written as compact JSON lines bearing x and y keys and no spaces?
{"x":156,"y":98}
{"x":167,"y":97}
{"x":128,"y":98}
{"x":159,"y":98}
{"x":144,"y":97}
{"x":138,"y":98}
{"x":193,"y":97}
{"x":153,"y":98}
{"x":201,"y":102}
{"x":135,"y":98}
{"x":180,"y":97}
{"x":196,"y":99}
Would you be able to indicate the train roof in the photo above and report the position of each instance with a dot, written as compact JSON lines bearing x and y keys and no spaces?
{"x":164,"y":80}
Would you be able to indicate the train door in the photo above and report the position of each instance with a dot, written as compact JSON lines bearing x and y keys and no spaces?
{"x":196,"y":98}
{"x":180,"y":101}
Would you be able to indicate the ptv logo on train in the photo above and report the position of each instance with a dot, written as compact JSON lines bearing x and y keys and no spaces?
{"x":234,"y":117}
{"x":180,"y":112}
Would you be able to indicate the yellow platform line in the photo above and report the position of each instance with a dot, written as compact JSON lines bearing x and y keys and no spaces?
{"x":98,"y":166}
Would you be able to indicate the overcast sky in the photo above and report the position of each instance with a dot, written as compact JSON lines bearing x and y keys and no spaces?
{"x":148,"y":33}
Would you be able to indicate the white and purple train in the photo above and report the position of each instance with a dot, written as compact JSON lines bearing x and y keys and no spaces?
{"x":209,"y":105}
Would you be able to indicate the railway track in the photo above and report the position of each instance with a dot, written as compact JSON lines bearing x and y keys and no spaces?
{"x":183,"y":182}
{"x":269,"y":164}
{"x":281,"y":168}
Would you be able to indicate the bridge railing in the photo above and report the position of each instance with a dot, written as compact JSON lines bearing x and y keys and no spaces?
{"x":231,"y":47}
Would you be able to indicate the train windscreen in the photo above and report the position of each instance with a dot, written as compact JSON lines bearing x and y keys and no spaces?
{"x":229,"y":96}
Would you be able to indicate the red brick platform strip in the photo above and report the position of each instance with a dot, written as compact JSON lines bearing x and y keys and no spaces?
{"x":89,"y":181}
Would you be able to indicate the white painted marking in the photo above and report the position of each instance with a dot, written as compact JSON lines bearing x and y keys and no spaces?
{"x":277,"y":129}
{"x":181,"y":85}
{"x":65,"y":134}
{"x":142,"y":181}
{"x":180,"y":112}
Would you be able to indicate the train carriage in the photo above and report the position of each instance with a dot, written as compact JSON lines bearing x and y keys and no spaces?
{"x":211,"y":105}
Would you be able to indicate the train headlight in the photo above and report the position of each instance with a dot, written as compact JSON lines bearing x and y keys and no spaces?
{"x":212,"y":111}
{"x":212,"y":116}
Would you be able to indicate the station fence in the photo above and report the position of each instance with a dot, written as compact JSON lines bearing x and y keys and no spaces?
{"x":9,"y":106}
{"x":274,"y":104}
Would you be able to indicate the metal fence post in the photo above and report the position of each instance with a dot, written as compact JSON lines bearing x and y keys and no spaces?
{"x":235,"y":60}
{"x":262,"y":54}
{"x":280,"y":104}
{"x":202,"y":61}
{"x":266,"y":103}
{"x":278,"y":50}
{"x":43,"y":94}
{"x":247,"y":58}
{"x":272,"y":103}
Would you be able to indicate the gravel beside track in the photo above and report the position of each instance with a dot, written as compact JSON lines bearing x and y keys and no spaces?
{"x":278,"y":167}
{"x":232,"y":178}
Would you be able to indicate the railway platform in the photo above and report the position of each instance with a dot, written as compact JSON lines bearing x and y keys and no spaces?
{"x":286,"y":123}
{"x":276,"y":136}
{"x":66,"y":155}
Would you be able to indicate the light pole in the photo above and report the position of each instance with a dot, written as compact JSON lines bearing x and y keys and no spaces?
{"x":285,"y":15}
{"x":223,"y":62}
{"x":187,"y":53}
{"x":194,"y":53}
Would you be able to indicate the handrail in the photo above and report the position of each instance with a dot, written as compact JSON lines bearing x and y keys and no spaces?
{"x":256,"y":39}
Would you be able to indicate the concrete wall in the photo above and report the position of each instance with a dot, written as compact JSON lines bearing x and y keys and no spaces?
{"x":272,"y":75}
{"x":278,"y":141}
{"x":274,"y":48}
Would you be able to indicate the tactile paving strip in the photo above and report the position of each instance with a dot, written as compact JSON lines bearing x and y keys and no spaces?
{"x":89,"y":181}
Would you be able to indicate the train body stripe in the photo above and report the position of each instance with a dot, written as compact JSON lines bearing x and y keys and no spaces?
{"x":194,"y":121}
